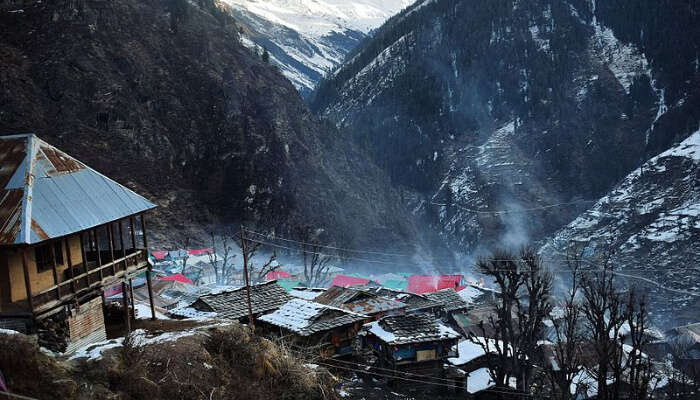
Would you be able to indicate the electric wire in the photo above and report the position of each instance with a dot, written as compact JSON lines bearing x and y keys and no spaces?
{"x":597,"y":270}
{"x":517,"y":211}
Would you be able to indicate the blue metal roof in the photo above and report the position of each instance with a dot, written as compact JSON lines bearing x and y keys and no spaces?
{"x":59,"y":194}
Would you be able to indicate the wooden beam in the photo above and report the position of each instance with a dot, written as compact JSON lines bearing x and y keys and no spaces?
{"x":97,"y":250}
{"x":83,"y":256}
{"x":27,"y":282}
{"x":132,"y":228}
{"x":150,"y":293}
{"x":110,"y":236}
{"x":125,"y":304}
{"x":131,"y":296}
{"x":55,"y":269}
{"x":145,"y":236}
{"x":70,"y":265}
{"x":121,"y":242}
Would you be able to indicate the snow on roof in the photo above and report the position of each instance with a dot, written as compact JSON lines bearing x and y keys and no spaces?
{"x":405,"y":329}
{"x":191,"y":313}
{"x":449,"y":299}
{"x":48,"y":194}
{"x":305,"y":294}
{"x":306,"y":317}
{"x":232,"y":304}
{"x":469,"y":293}
{"x":469,"y":350}
{"x":480,"y":379}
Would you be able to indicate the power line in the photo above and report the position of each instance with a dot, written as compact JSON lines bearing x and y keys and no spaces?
{"x":424,"y":382}
{"x":503,"y":212}
{"x":599,"y":268}
{"x":328,"y":247}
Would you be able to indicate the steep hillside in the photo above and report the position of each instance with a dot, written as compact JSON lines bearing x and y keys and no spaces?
{"x":651,"y":223}
{"x":308,"y":38}
{"x":163,"y":97}
{"x":502,"y":120}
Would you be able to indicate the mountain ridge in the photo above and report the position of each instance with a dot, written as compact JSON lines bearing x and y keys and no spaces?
{"x":511,"y":106}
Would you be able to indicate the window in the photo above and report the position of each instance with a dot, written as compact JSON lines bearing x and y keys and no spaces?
{"x":44,"y":259}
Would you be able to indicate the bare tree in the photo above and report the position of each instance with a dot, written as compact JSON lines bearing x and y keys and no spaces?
{"x":251,"y":247}
{"x":317,"y":264}
{"x":638,"y":367}
{"x":221,"y":258}
{"x":603,"y":309}
{"x":568,"y":340}
{"x":518,"y":322}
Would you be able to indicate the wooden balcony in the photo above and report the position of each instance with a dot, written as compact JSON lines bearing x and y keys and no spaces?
{"x":100,"y":271}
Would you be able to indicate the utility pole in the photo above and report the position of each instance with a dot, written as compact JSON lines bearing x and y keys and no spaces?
{"x":244,"y":248}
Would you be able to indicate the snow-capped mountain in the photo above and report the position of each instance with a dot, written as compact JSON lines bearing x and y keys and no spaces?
{"x":308,"y":38}
{"x":650,"y":223}
{"x":501,"y":122}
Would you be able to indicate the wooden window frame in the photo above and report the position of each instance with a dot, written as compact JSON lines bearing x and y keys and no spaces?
{"x":45,"y":262}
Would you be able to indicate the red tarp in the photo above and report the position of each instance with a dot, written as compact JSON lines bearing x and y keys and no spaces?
{"x":432,"y":283}
{"x":159,"y":255}
{"x":199,"y":252}
{"x":275,"y":275}
{"x":177,"y":278}
{"x":347,"y":281}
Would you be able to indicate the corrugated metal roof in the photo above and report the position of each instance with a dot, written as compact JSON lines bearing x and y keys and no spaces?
{"x":47,"y":193}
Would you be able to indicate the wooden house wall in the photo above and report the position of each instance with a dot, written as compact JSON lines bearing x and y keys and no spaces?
{"x":40,"y":280}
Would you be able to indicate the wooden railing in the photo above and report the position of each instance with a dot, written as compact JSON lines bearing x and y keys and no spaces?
{"x":90,"y":278}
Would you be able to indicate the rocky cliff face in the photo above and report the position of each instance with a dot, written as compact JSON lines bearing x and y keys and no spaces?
{"x":651,"y":222}
{"x":162,"y":96}
{"x":501,"y":121}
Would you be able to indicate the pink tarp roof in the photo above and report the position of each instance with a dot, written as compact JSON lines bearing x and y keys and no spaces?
{"x":177,"y":278}
{"x":199,"y":252}
{"x":347,"y":281}
{"x":432,"y":283}
{"x":159,"y":255}
{"x":274,"y":275}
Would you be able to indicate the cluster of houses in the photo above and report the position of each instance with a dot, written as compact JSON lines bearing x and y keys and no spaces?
{"x":73,"y":240}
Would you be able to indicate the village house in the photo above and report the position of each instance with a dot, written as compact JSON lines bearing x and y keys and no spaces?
{"x":233,"y":304}
{"x":329,"y":331}
{"x":67,"y":233}
{"x":414,"y":344}
{"x":472,"y":365}
{"x":415,"y":303}
{"x":361,"y":302}
{"x":451,"y":303}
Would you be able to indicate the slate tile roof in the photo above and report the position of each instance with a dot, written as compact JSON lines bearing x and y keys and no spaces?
{"x":232,"y":304}
{"x":306,"y":318}
{"x":358,"y":300}
{"x":336,"y":296}
{"x":450,"y":300}
{"x":414,"y":328}
{"x":414,"y":302}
